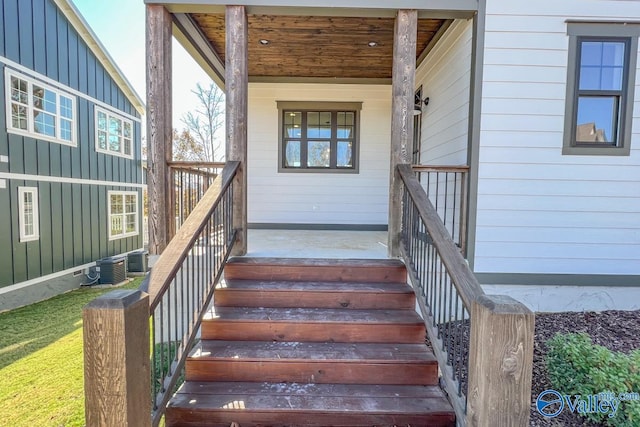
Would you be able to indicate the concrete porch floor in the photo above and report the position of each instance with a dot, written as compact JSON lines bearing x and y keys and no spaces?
{"x":317,"y":244}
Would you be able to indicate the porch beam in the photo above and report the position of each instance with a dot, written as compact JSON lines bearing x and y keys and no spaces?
{"x":402,"y":90}
{"x":191,"y":37}
{"x":159,"y":128}
{"x":237,"y":92}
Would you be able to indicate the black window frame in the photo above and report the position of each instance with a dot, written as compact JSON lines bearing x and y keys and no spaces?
{"x":581,"y":32}
{"x":287,"y":107}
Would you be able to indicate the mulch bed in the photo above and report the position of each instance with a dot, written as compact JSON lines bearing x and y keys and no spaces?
{"x":615,"y":330}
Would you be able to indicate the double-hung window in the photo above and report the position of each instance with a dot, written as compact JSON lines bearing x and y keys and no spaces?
{"x":38,"y":110}
{"x":28,"y":219}
{"x":319,"y":136}
{"x":114,"y":134}
{"x":600,"y":88}
{"x":123,"y":214}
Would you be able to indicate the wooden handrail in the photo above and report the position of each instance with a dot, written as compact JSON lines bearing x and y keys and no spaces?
{"x":461,"y":276}
{"x":499,"y":345}
{"x":186,"y":164}
{"x":440,"y":168}
{"x":177,"y":250}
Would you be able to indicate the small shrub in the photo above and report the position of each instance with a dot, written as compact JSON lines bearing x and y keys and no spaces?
{"x":576,"y":366}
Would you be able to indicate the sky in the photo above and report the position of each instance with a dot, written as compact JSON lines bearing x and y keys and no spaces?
{"x":120,"y":26}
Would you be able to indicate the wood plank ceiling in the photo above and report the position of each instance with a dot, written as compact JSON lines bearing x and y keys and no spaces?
{"x":317,"y":46}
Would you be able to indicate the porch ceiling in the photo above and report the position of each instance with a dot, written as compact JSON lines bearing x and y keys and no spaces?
{"x":316,"y":46}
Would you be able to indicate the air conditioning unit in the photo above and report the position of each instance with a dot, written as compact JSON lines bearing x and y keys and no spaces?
{"x":138,"y":262}
{"x":113,"y":270}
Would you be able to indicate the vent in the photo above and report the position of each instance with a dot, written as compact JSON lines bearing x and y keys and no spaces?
{"x":138,"y":262}
{"x":113,"y":270}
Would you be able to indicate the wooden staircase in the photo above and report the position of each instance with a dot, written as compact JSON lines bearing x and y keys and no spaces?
{"x":295,"y":342}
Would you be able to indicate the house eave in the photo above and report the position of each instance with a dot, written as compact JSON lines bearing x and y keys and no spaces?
{"x":86,"y":33}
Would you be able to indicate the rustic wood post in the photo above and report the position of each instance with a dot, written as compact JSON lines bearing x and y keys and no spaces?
{"x":117,"y":381}
{"x":403,"y":82}
{"x":159,"y":129}
{"x":237,"y":92}
{"x":500,"y":362}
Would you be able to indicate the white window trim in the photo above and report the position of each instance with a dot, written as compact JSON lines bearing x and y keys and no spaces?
{"x":30,"y":132}
{"x":36,"y":217}
{"x":121,"y":118}
{"x":124,"y":234}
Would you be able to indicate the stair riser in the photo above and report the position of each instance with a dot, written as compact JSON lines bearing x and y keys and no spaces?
{"x":313,"y":372}
{"x":307,"y":299}
{"x":282,"y":419}
{"x":368,"y":274}
{"x":314,"y":332}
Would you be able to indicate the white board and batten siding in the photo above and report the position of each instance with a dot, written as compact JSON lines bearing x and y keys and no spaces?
{"x":319,"y":198}
{"x":445,"y":78}
{"x":539,"y":211}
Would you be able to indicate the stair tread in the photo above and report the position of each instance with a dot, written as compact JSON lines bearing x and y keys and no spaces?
{"x":325,"y":398}
{"x":315,"y":286}
{"x":316,"y":262}
{"x":311,"y":315}
{"x":312,"y":352}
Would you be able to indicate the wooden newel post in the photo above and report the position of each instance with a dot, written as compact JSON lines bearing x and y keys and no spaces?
{"x":500,"y":362}
{"x":117,"y":380}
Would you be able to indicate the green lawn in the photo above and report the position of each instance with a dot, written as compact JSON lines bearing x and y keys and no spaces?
{"x":41,"y":374}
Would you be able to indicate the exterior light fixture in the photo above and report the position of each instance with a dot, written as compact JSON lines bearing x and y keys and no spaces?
{"x":264,"y":42}
{"x":372,"y":43}
{"x":417,"y":106}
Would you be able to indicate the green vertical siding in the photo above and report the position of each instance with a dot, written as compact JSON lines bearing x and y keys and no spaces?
{"x":72,"y":216}
{"x":6,"y":237}
{"x":46,"y":229}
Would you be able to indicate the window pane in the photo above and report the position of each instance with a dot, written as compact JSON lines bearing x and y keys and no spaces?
{"x":116,"y":225}
{"x":116,"y":204}
{"x":319,"y":124}
{"x":292,"y":124}
{"x":127,"y":147}
{"x":601,"y":65}
{"x":613,"y":54}
{"x":65,"y":129}
{"x":597,"y":119}
{"x":102,"y":121}
{"x":114,"y":143}
{"x":115,"y":126}
{"x":19,"y":116}
{"x":102,"y":140}
{"x":19,"y":90}
{"x":127,"y":130}
{"x":131,"y":203}
{"x":66,"y":110}
{"x":292,"y":154}
{"x":319,"y":154}
{"x":345,"y":124}
{"x":130,"y":227}
{"x":344,"y":154}
{"x":44,"y":123}
{"x":44,"y":99}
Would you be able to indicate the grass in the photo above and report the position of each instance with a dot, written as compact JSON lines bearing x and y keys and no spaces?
{"x":41,"y":361}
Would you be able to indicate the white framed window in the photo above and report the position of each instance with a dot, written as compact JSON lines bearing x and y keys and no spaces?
{"x":28,"y":214}
{"x":38,"y":110}
{"x":114,"y":134}
{"x":123,"y":214}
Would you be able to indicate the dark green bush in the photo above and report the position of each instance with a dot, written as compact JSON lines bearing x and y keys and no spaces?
{"x":576,"y":366}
